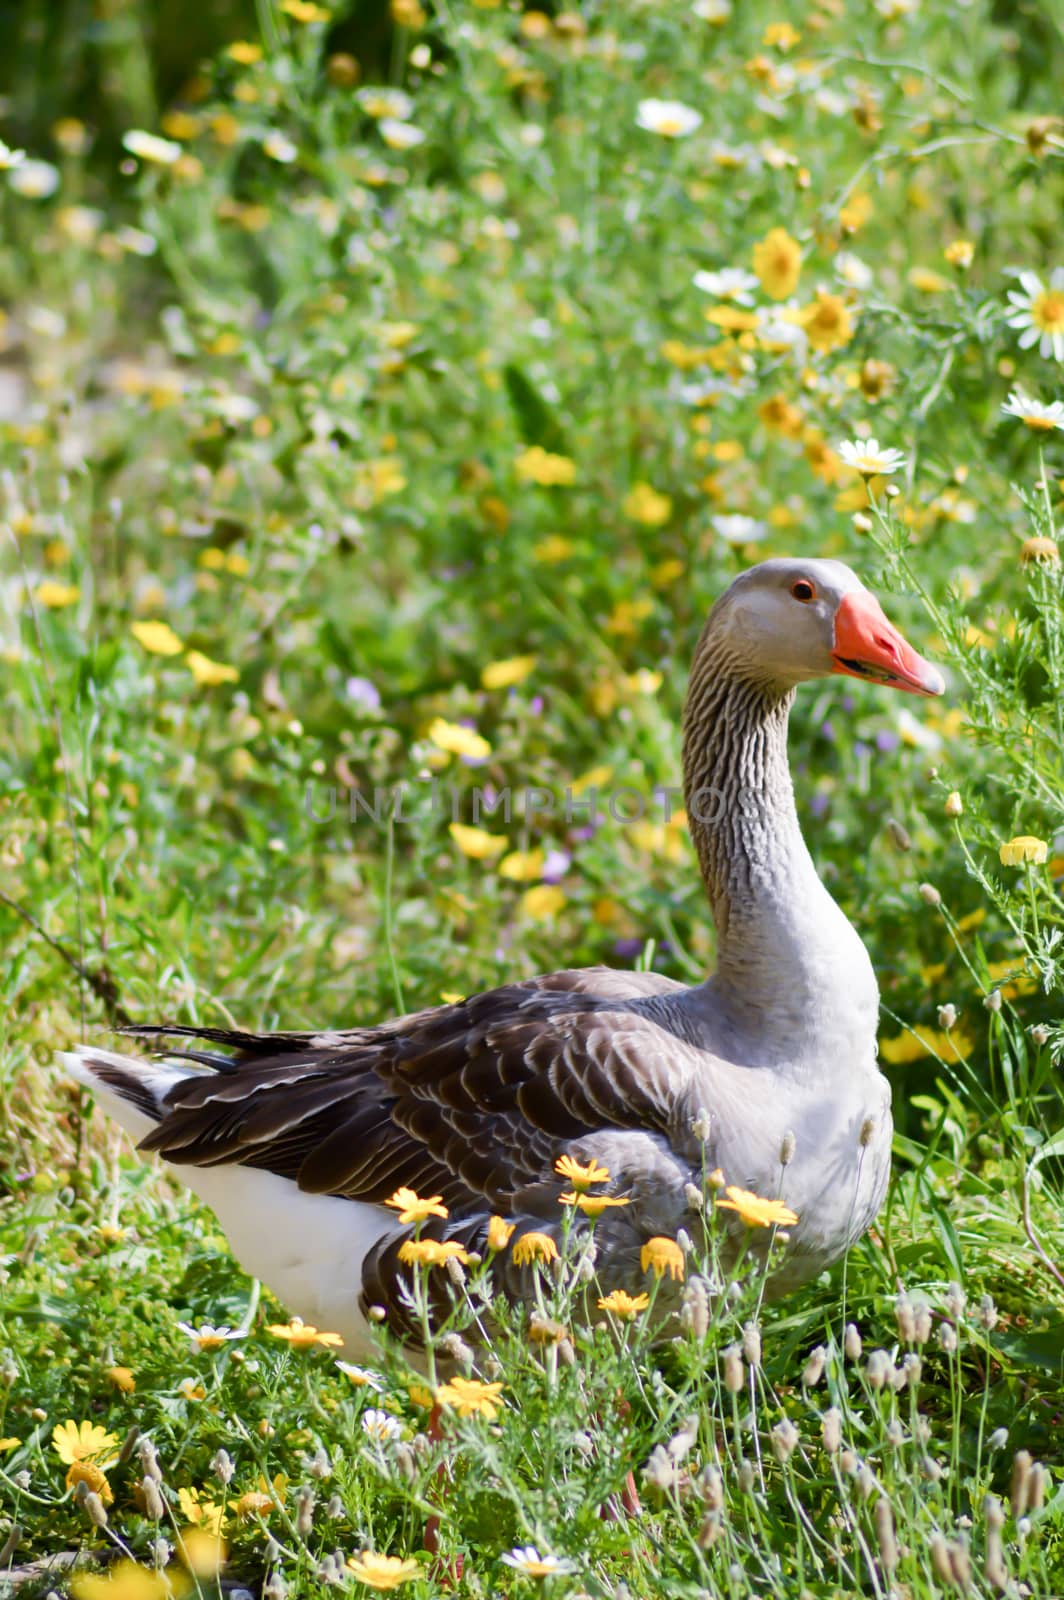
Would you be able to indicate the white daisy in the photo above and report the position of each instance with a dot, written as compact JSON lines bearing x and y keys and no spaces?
{"x":379,"y":1425}
{"x":233,"y":408}
{"x":400,"y":135}
{"x":528,"y":1560}
{"x":1039,"y":312}
{"x":10,"y":158}
{"x":854,"y":272}
{"x":386,"y":103}
{"x":279,"y":148}
{"x":150,"y":147}
{"x":34,"y":180}
{"x":361,"y":1377}
{"x":730,"y":283}
{"x":671,"y":118}
{"x":871,"y":459}
{"x":734,"y":528}
{"x":207,"y":1337}
{"x":1040,"y":415}
{"x":715,"y":11}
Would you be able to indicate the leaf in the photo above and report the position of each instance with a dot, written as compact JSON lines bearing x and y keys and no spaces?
{"x":536,"y":422}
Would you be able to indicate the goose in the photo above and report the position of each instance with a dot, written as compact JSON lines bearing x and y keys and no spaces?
{"x":766,"y":1071}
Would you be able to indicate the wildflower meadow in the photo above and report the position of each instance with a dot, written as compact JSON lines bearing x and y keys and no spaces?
{"x":386,"y":395}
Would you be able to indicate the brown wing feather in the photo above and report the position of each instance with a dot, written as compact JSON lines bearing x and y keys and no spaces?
{"x":469,"y":1100}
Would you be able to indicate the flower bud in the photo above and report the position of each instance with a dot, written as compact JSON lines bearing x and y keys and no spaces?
{"x":851,"y":1342}
{"x":930,"y":895}
{"x":947,"y":1016}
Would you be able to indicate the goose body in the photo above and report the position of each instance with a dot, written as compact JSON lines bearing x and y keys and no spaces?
{"x":767,"y":1070}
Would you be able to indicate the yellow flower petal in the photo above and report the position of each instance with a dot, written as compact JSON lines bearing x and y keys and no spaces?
{"x":158,"y":638}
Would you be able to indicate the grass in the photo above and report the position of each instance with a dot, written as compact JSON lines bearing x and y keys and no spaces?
{"x":400,"y":433}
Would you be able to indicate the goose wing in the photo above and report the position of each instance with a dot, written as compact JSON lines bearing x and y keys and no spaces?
{"x":473,"y":1101}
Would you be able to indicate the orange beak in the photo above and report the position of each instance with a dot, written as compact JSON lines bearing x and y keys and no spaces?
{"x":868,"y":646}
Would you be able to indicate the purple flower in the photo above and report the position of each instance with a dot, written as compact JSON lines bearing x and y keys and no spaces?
{"x":363,"y":693}
{"x":886,"y":740}
{"x":627,"y":949}
{"x":827,"y":731}
{"x":556,"y":865}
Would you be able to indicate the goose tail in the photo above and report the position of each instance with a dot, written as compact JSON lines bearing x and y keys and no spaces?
{"x":132,"y":1091}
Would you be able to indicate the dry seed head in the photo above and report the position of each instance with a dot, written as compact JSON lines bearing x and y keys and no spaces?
{"x":91,"y":1504}
{"x":987,"y":1316}
{"x":851,"y":1342}
{"x":787,"y":1149}
{"x":961,"y":1565}
{"x":567,"y":1352}
{"x":222,"y":1466}
{"x":709,"y":1531}
{"x":318,"y":1465}
{"x":885,"y":1538}
{"x":702,"y":1126}
{"x":153,"y":1500}
{"x":895,"y":1434}
{"x":129,"y":1444}
{"x":947,"y":1338}
{"x":752,"y":1343}
{"x":493,"y":1369}
{"x":956,"y":1300}
{"x":455,"y":1348}
{"x":305,"y":1512}
{"x":922,"y":1323}
{"x":683,"y":1440}
{"x":694,"y":1314}
{"x":455,"y":1271}
{"x":734,"y":1372}
{"x":831,"y":1429}
{"x":1021,"y":1472}
{"x":694,"y":1197}
{"x":929,"y":895}
{"x":149,"y":1460}
{"x":848,"y":1462}
{"x":784,"y":1440}
{"x":660,"y":1472}
{"x":878,"y":1368}
{"x":931,"y":1469}
{"x":813,"y":1370}
{"x":335,"y":1508}
{"x":868,"y":1128}
{"x":940,"y":1560}
{"x":747,"y":1476}
{"x":1037,"y":1484}
{"x":992,"y":1001}
{"x":712,"y":1484}
{"x":994,"y":1512}
{"x":997,"y":1573}
{"x":903,"y":1312}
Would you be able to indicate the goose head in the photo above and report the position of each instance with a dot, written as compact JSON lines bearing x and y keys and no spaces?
{"x":786,"y":621}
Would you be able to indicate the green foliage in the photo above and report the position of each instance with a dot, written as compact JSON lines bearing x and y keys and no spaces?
{"x":406,"y":419}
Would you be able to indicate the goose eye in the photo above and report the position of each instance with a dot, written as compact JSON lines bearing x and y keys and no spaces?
{"x":802,"y":589}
